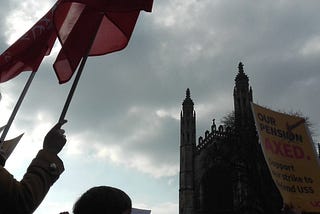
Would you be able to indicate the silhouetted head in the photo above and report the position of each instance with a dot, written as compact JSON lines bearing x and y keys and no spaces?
{"x":103,"y":200}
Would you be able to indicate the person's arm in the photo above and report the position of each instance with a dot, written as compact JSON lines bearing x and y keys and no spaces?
{"x":26,"y":195}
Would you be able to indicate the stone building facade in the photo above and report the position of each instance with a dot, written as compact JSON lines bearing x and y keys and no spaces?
{"x":224,"y":172}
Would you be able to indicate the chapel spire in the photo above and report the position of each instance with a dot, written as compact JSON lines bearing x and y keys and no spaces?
{"x":188,"y":100}
{"x":242,"y":96}
{"x":241,"y":79}
{"x":187,"y":150}
{"x":188,"y":93}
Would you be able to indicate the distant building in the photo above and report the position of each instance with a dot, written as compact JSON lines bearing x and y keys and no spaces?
{"x":224,"y":172}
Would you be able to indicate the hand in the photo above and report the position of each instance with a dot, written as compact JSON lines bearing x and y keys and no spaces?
{"x":55,"y":139}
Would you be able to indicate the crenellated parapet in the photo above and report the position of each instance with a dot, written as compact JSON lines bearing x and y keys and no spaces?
{"x":213,"y":136}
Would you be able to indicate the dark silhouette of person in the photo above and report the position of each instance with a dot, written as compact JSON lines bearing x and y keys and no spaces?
{"x":25,"y":196}
{"x":103,"y":200}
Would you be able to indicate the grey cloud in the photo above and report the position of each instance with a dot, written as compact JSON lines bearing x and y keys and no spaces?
{"x":200,"y":48}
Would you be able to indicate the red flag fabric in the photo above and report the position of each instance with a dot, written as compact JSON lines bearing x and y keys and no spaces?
{"x":28,"y":51}
{"x":104,"y":25}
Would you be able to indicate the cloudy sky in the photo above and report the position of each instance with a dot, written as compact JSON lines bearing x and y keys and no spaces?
{"x":123,"y":122}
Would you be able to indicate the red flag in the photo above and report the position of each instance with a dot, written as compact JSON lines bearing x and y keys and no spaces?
{"x":109,"y":23}
{"x":27,"y":52}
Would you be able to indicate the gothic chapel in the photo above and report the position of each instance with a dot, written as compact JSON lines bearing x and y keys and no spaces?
{"x":224,"y":172}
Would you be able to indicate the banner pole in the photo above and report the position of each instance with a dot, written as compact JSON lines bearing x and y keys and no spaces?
{"x":16,"y":108}
{"x":73,"y":88}
{"x":76,"y":80}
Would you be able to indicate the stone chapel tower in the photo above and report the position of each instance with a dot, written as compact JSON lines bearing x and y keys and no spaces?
{"x":242,"y":96}
{"x":187,"y":148}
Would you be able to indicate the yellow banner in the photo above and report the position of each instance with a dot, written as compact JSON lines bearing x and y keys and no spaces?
{"x":291,"y":157}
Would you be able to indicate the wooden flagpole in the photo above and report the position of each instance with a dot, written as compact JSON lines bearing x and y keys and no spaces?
{"x":16,"y":108}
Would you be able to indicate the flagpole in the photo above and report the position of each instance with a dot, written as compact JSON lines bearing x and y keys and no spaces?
{"x":17,"y":106}
{"x":76,"y":79}
{"x":73,"y":88}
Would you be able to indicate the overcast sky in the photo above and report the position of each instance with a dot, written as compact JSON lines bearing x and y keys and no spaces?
{"x":123,"y":122}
